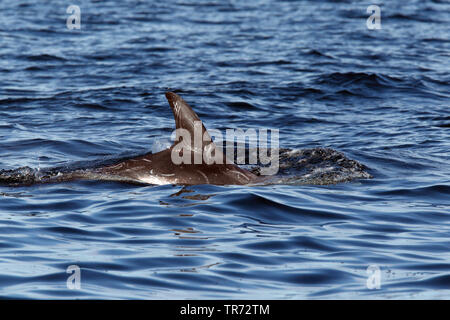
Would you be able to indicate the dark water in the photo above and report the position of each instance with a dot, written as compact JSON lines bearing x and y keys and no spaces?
{"x":311,"y":69}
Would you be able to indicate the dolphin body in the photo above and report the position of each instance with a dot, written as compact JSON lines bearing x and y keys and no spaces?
{"x":159,"y":168}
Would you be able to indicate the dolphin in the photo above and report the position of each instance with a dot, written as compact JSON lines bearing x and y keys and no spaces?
{"x":159,"y":168}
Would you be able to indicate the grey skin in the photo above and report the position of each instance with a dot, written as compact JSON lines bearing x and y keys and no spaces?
{"x":159,"y":168}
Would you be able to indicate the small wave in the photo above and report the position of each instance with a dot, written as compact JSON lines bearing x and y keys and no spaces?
{"x":412,"y":17}
{"x":21,"y":100}
{"x":358,"y":78}
{"x":91,"y":106}
{"x":318,"y":53}
{"x":158,"y":49}
{"x":241,"y":105}
{"x":246,"y":64}
{"x":434,"y":191}
{"x":44,"y":57}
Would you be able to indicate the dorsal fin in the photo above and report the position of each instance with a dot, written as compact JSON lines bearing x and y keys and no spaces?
{"x":185,"y":117}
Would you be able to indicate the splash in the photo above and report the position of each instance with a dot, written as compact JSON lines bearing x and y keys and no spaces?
{"x":316,"y":166}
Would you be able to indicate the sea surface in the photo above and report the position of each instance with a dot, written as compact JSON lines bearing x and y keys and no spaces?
{"x":311,"y":69}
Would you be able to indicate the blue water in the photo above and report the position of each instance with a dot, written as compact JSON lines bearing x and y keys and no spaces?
{"x":312,"y":69}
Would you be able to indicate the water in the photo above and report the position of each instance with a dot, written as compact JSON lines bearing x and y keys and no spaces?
{"x":311,"y":69}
